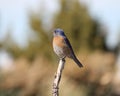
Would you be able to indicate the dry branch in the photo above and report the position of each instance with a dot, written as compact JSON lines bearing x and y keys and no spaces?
{"x":57,"y":78}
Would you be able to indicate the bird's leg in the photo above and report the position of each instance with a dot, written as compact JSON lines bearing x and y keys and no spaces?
{"x":63,"y":60}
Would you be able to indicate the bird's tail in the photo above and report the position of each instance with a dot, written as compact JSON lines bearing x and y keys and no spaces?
{"x":77,"y":61}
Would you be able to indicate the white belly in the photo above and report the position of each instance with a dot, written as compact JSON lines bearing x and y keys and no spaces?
{"x":59,"y":51}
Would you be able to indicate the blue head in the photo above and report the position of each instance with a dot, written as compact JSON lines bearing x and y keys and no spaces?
{"x":58,"y":32}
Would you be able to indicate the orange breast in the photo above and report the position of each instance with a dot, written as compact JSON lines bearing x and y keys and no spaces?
{"x":58,"y":41}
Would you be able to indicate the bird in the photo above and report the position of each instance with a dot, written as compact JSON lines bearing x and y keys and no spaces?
{"x":62,"y":46}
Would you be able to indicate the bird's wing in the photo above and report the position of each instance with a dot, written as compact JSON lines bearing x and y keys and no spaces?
{"x":68,"y":44}
{"x":73,"y":55}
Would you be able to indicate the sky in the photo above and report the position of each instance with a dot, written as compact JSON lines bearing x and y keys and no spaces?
{"x":14,"y":16}
{"x":108,"y":12}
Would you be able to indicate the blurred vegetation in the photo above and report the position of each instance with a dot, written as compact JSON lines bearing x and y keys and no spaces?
{"x":42,"y":43}
{"x":10,"y":45}
{"x":83,"y":31}
{"x":87,"y":36}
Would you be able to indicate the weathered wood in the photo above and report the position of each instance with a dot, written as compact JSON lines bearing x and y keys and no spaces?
{"x":55,"y":90}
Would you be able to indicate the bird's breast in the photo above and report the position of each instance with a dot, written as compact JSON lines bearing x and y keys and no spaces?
{"x":60,"y":47}
{"x":59,"y":41}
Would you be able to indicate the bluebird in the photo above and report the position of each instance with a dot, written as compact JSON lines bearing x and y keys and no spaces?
{"x":62,"y":46}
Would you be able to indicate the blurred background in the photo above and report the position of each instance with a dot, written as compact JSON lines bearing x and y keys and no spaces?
{"x":27,"y":60}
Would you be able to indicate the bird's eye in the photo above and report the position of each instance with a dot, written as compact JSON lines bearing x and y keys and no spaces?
{"x":56,"y":31}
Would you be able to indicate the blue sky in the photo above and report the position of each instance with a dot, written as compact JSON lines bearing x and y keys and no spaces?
{"x":14,"y":15}
{"x":108,"y":12}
